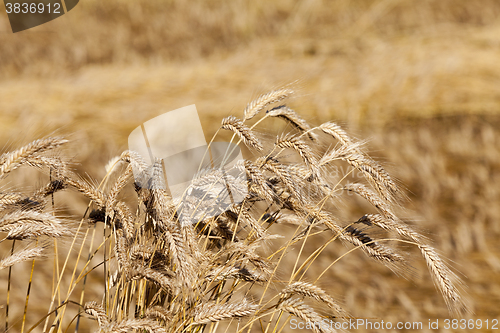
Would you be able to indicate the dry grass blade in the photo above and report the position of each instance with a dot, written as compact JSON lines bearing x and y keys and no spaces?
{"x":20,"y":256}
{"x":244,"y":133}
{"x":213,"y":312}
{"x":297,"y":308}
{"x":255,"y":106}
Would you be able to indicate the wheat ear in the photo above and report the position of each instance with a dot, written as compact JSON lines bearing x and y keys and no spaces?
{"x":7,"y":199}
{"x":12,"y":160}
{"x":244,"y":133}
{"x":94,"y":194}
{"x":297,"y":308}
{"x":25,"y":224}
{"x":374,"y":173}
{"x":125,"y":326}
{"x":224,"y":273}
{"x":355,"y":237}
{"x":97,"y":311}
{"x":20,"y":256}
{"x":49,"y":189}
{"x":293,"y":118}
{"x":213,"y":312}
{"x":115,"y":190}
{"x":315,"y":292}
{"x":293,"y":142}
{"x":371,"y":247}
{"x":337,"y":132}
{"x":159,"y":312}
{"x":372,"y":198}
{"x":134,"y":158}
{"x":255,"y":106}
{"x":441,"y":276}
{"x":256,"y":177}
{"x":389,"y":224}
{"x":143,"y":272}
{"x":284,"y":174}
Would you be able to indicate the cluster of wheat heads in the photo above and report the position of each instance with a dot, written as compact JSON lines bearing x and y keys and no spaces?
{"x":223,"y":271}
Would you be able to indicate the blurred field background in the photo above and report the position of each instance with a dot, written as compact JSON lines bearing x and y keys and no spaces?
{"x":419,"y":80}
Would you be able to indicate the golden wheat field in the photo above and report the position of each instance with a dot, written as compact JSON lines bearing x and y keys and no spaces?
{"x":371,"y":171}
